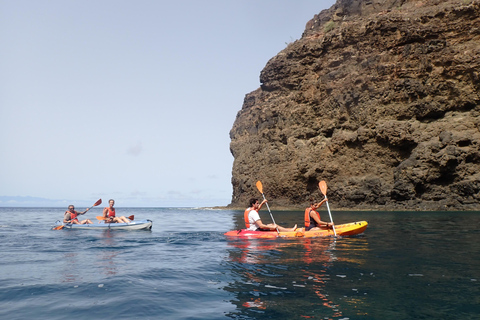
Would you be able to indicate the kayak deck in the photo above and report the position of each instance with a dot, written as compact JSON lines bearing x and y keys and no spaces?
{"x":347,"y":229}
{"x":133,"y":225}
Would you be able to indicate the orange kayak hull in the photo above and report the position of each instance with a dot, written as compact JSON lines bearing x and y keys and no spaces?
{"x":343,"y":230}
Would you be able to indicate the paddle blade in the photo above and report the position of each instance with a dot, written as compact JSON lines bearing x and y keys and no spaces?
{"x":99,"y":201}
{"x":131,"y":217}
{"x":259,"y":186}
{"x":101,"y":218}
{"x":323,"y":187}
{"x":58,"y":228}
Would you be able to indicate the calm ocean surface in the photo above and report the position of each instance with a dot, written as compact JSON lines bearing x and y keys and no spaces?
{"x":405,"y":266}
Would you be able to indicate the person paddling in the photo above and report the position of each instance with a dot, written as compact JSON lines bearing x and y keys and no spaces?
{"x":109,"y":214}
{"x":312,"y":217}
{"x":253,"y":221}
{"x":70,"y":216}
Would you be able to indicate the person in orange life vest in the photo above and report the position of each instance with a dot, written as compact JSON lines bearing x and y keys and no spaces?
{"x":109,"y":214}
{"x":312,"y":217}
{"x":70,"y":216}
{"x":253,"y":221}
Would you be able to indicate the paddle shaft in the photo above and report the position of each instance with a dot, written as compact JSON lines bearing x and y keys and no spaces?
{"x":99,"y":201}
{"x":91,"y":207}
{"x":330,"y":214}
{"x":323,"y":188}
{"x":271,"y":215}
{"x":260,"y":188}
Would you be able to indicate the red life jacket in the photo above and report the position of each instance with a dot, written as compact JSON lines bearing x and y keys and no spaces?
{"x":308,"y":218}
{"x":245,"y":217}
{"x":73,"y":216}
{"x":111,"y":213}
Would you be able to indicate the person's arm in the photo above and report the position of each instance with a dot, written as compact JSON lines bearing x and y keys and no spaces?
{"x":318,"y":221}
{"x":270,"y":226}
{"x":106,"y":218}
{"x":261,"y":204}
{"x":83,"y":211}
{"x":318,"y":205}
{"x":260,"y":224}
{"x":314,"y":216}
{"x":67,"y":217}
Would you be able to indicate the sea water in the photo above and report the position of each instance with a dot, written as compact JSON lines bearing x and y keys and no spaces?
{"x":407,"y":265}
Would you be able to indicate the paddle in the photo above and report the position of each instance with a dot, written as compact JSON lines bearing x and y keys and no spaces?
{"x":260,"y":188}
{"x":99,"y":201}
{"x":102,"y":218}
{"x":59,"y":227}
{"x":323,"y":187}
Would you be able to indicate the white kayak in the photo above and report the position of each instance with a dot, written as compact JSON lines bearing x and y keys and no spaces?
{"x":133,"y":225}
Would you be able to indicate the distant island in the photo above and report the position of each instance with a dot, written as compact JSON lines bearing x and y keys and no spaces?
{"x":27,"y":201}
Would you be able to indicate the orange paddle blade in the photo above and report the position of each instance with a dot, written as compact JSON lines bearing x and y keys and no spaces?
{"x":260,"y":186}
{"x":99,"y":201}
{"x":58,"y":228}
{"x":101,"y":218}
{"x":323,"y":187}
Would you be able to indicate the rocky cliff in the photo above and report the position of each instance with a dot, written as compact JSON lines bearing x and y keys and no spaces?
{"x":379,"y":98}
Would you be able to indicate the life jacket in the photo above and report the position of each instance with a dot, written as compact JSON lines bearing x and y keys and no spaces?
{"x":73,"y":215}
{"x":111,"y":213}
{"x":308,"y":219}
{"x":245,"y":216}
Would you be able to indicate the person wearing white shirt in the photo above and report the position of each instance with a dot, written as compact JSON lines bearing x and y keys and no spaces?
{"x":254,"y":223}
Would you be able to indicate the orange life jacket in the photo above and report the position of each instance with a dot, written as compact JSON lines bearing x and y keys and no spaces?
{"x":73,"y":215}
{"x":308,"y":218}
{"x":245,"y":217}
{"x":111,"y":213}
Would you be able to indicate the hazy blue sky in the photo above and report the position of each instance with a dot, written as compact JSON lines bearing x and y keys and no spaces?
{"x":131,"y":100}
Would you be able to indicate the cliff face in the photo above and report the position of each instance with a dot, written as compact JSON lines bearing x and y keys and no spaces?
{"x":378,"y":98}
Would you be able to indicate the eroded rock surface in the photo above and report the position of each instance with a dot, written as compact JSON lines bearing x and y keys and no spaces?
{"x":378,"y":98}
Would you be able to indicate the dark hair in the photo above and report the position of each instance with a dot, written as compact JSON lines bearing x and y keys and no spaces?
{"x":253,"y":201}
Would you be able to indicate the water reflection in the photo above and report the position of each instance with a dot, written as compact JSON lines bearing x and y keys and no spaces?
{"x":101,"y":258}
{"x":254,"y":251}
{"x":291,"y":278}
{"x":321,"y":253}
{"x":69,"y":274}
{"x":71,"y":262}
{"x":106,"y":256}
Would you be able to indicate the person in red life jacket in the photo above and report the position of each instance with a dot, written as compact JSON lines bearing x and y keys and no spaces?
{"x":70,"y":216}
{"x":253,"y":221}
{"x":109,"y":214}
{"x":312,"y":217}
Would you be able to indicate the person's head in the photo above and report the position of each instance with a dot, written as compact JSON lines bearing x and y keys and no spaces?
{"x":71,"y":208}
{"x":253,"y":202}
{"x":111,"y":202}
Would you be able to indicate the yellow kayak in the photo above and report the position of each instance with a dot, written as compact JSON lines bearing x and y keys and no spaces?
{"x":347,"y":229}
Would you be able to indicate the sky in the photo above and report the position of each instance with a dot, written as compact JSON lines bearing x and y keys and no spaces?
{"x":131,"y":100}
